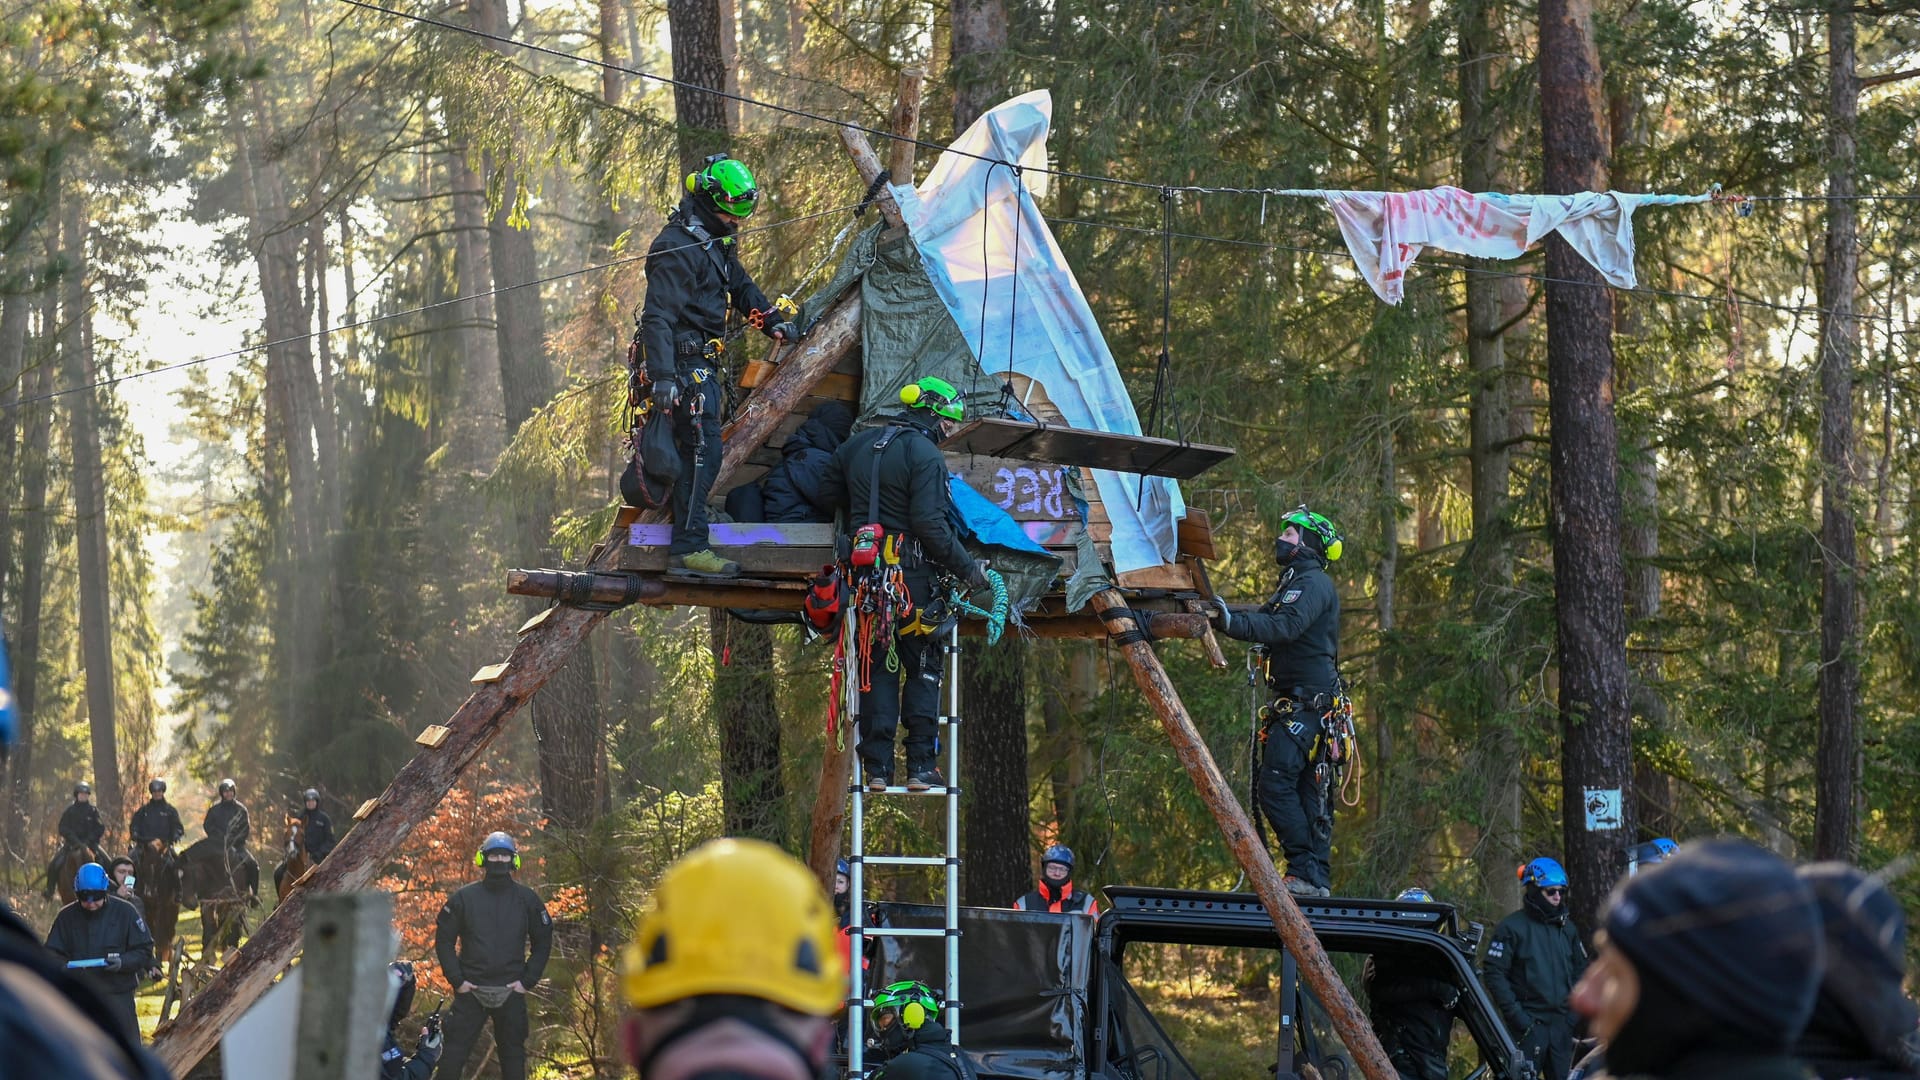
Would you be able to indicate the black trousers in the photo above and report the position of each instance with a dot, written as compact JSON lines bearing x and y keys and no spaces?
{"x":464,"y":1022}
{"x":696,"y":440}
{"x":912,"y":693}
{"x":1548,"y":1043}
{"x":1290,"y":799}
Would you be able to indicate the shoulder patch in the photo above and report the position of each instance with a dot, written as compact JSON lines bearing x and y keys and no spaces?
{"x":1496,"y":948}
{"x":1290,"y":596}
{"x":141,"y":923}
{"x":545,"y":919}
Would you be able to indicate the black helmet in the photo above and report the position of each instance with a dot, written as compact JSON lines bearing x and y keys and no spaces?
{"x":311,"y":796}
{"x":156,"y":787}
{"x":402,"y":973}
{"x":229,"y":785}
{"x":83,"y":788}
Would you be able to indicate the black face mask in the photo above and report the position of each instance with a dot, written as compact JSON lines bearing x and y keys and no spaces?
{"x":497,"y":870}
{"x":1551,"y":914}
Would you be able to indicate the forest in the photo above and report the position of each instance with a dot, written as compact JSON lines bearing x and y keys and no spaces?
{"x":313,"y":323}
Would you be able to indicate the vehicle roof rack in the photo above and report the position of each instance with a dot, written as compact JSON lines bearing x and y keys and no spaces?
{"x":1136,"y":902}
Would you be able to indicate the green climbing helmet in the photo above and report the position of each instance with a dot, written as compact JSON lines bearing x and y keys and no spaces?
{"x":936,"y":394}
{"x":914,"y":1001}
{"x":727,"y":182}
{"x":1311,"y":522}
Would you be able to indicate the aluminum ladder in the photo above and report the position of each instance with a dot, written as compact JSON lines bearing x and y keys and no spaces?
{"x":947,"y":728}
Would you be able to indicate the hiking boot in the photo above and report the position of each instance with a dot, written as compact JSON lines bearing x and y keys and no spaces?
{"x":706,"y":563}
{"x":925,"y":779}
{"x":1303,"y":887}
{"x":878,"y":781}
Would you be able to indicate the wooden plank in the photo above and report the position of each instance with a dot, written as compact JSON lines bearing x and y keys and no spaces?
{"x":539,"y":617}
{"x":343,"y":986}
{"x":490,"y":673}
{"x":1196,"y":535}
{"x":739,"y":534}
{"x":1025,"y":490}
{"x":1246,"y":845}
{"x":433,"y":736}
{"x":1176,"y":578}
{"x":1061,"y":445}
{"x":365,"y":809}
{"x":757,"y":560}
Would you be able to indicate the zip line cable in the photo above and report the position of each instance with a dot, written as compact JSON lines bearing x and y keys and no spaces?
{"x":390,"y":316}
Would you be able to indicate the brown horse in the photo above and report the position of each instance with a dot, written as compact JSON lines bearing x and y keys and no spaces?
{"x":220,"y":884}
{"x":156,"y":871}
{"x":289,"y":873}
{"x":71,"y":860}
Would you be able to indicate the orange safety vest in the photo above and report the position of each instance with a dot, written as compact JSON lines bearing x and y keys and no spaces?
{"x":1067,"y":902}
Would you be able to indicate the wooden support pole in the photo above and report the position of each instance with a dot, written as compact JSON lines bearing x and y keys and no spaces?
{"x":343,"y":986}
{"x":830,"y":803}
{"x":906,"y":125}
{"x":868,"y":163}
{"x":1295,"y":932}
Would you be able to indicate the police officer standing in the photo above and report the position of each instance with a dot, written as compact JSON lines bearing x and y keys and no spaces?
{"x":1412,"y":999}
{"x":1055,"y":892}
{"x":732,"y":970}
{"x":98,"y":926}
{"x":1532,"y":962}
{"x":694,"y":277}
{"x":1298,"y":630}
{"x":156,"y":822}
{"x":80,"y":831}
{"x":896,"y":500}
{"x":492,"y":938}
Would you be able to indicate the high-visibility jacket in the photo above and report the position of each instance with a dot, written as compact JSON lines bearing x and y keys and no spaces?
{"x":1061,"y":901}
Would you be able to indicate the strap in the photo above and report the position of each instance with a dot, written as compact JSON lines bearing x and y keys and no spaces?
{"x":873,"y":477}
{"x":1142,"y":631}
{"x":707,"y":244}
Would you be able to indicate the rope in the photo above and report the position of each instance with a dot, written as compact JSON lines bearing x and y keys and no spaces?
{"x":997,"y":617}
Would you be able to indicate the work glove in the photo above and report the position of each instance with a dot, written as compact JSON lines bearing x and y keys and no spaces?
{"x":784,"y":330}
{"x":666,"y":393}
{"x":430,"y":1042}
{"x":113,"y":961}
{"x":1225,"y":614}
{"x":977,"y":578}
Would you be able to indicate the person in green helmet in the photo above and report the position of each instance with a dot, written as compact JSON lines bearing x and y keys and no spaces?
{"x":908,"y":1039}
{"x":694,"y":278}
{"x":892,"y":483}
{"x":1298,"y":631}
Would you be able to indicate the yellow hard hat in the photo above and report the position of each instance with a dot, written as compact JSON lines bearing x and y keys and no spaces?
{"x":736,"y":916}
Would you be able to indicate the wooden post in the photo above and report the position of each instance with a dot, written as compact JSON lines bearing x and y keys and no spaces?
{"x":1348,"y":1020}
{"x":343,"y":986}
{"x":906,"y":126}
{"x":830,"y":803}
{"x":420,"y":785}
{"x":868,"y":162}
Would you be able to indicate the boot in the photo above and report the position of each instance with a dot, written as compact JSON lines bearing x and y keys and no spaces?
{"x":925,"y":778}
{"x":1303,"y":887}
{"x":705,"y":563}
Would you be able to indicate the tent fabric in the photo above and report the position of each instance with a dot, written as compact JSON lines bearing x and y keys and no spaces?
{"x":967,"y":219}
{"x":1386,"y":230}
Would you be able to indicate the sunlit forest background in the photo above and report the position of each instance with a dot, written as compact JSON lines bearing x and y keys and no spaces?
{"x":313,"y":318}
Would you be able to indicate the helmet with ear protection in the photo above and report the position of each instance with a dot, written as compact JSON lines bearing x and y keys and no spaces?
{"x":729,"y":183}
{"x":915,"y":1001}
{"x":497,"y":841}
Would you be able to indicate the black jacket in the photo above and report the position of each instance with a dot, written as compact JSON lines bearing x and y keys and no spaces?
{"x":1300,"y":627}
{"x":801,"y":488}
{"x":933,"y":1057}
{"x":396,"y":1065}
{"x":1724,"y":1066}
{"x":227,"y":823}
{"x":319,"y":837}
{"x":79,"y":934}
{"x":691,"y":282}
{"x":913,"y":489}
{"x":156,"y":820}
{"x":80,"y":825}
{"x":502,"y":931}
{"x":1412,"y":1000}
{"x":1531,"y":965}
{"x":53,"y":1025}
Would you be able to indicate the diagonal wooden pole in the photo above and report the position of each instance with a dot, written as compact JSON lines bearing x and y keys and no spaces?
{"x":1294,"y":929}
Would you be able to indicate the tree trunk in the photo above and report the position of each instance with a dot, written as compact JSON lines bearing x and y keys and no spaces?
{"x":699,"y":60}
{"x":1835,"y":814}
{"x":979,"y":37}
{"x":33,"y":563}
{"x":94,"y":569}
{"x":1589,"y":582}
{"x":1501,"y":749}
{"x":751,"y":784}
{"x":479,"y":430}
{"x":14,"y":310}
{"x":993,"y":764}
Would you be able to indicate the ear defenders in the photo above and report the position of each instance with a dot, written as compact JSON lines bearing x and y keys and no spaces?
{"x":701,"y":179}
{"x":480,"y":859}
{"x":913,"y":1015}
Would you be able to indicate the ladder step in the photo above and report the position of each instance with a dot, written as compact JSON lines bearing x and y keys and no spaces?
{"x":908,"y":860}
{"x":865,"y":790}
{"x":899,"y":931}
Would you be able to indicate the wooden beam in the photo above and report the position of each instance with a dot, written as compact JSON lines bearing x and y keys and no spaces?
{"x":1348,"y":1021}
{"x":868,"y":162}
{"x":830,"y":802}
{"x":906,"y":126}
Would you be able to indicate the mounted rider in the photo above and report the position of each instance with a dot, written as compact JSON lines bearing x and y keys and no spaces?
{"x":80,"y":831}
{"x":225,"y":846}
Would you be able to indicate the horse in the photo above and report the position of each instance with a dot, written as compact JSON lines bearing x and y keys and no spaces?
{"x":220,"y":884}
{"x":156,"y":873}
{"x":288,"y":874}
{"x":71,"y":860}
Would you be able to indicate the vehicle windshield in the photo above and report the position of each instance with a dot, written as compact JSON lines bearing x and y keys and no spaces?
{"x":1212,"y":1011}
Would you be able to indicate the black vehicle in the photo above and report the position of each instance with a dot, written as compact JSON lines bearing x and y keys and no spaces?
{"x":1139,"y":994}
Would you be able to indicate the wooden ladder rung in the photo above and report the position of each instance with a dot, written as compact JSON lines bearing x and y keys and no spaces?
{"x":490,"y":673}
{"x":434,"y":736}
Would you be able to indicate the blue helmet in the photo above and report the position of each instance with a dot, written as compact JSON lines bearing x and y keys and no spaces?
{"x":1059,"y":853}
{"x":1416,"y":894}
{"x":1653,"y":851}
{"x":497,"y":841}
{"x":842,"y":866}
{"x":92,"y":878}
{"x":1543,"y":873}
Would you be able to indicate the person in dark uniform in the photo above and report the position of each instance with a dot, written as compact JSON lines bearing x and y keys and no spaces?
{"x":228,"y":828}
{"x":1054,"y":891}
{"x":52,"y":1024}
{"x":894,"y":477}
{"x":100,"y":926}
{"x":1863,"y":1024}
{"x":80,"y":830}
{"x":1534,"y":959}
{"x":732,"y":971}
{"x":492,"y":938}
{"x":156,"y":820}
{"x":1298,"y":630}
{"x":1411,"y":999}
{"x":909,"y":1039}
{"x":1708,"y":968}
{"x":318,"y":836}
{"x":394,"y":1062}
{"x":694,"y":278}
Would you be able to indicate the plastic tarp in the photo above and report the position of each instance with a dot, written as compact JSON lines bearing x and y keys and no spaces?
{"x":1028,"y":568}
{"x":1022,"y":980}
{"x":1027,"y":313}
